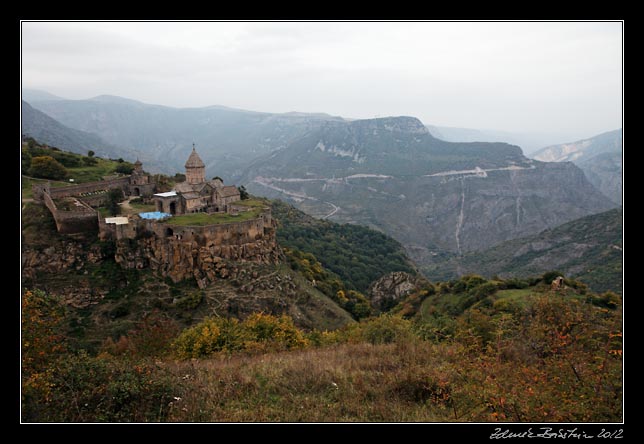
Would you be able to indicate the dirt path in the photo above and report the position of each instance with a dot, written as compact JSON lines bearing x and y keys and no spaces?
{"x":335,"y":210}
{"x":125,"y":205}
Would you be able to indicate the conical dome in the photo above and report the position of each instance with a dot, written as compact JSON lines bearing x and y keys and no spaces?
{"x":194,"y":161}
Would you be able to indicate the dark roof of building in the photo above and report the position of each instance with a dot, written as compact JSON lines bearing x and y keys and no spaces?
{"x":184,"y":187}
{"x":199,"y":187}
{"x":194,"y":161}
{"x":228,"y":191}
{"x":190,"y":196}
{"x":216,"y":183}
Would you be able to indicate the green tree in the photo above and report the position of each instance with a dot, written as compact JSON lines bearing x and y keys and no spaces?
{"x":90,"y":153}
{"x":25,"y":159}
{"x":243,"y":194}
{"x":124,"y":168}
{"x":47,"y":167}
{"x":113,"y":198}
{"x":89,"y":161}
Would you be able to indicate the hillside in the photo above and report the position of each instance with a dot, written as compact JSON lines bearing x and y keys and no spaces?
{"x":296,"y":341}
{"x":600,"y":157}
{"x":227,"y":138}
{"x":29,"y":95}
{"x":373,"y":254}
{"x":435,"y":197}
{"x":43,"y":128}
{"x":315,"y":249}
{"x":109,"y":300}
{"x":588,"y":249}
{"x":466,"y":351}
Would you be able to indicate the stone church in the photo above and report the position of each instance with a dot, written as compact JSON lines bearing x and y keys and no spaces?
{"x":196,"y":195}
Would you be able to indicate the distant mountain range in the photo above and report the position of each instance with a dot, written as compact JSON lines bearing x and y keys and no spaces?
{"x":589,"y":249}
{"x":600,"y":157}
{"x":44,"y":129}
{"x":437,"y":198}
{"x":30,"y":95}
{"x":529,"y":142}
{"x":227,"y":139}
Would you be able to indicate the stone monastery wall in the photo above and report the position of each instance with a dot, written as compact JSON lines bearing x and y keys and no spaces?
{"x":70,"y":222}
{"x":89,"y":187}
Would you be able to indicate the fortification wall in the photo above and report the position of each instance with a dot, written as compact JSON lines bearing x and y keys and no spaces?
{"x":96,"y":200}
{"x":90,"y":187}
{"x":196,"y":252}
{"x":142,"y":189}
{"x":221,"y":234}
{"x":71,"y":222}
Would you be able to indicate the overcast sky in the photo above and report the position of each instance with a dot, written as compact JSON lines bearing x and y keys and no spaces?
{"x":544,"y":77}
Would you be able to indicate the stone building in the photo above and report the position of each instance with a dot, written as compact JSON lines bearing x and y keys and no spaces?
{"x":139,"y":183}
{"x":72,"y":207}
{"x":196,"y":194}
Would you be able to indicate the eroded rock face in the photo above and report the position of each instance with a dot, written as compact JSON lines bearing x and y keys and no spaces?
{"x":59,"y":259}
{"x":391,"y":288}
{"x":179,"y":259}
{"x":82,"y":296}
{"x":69,"y":257}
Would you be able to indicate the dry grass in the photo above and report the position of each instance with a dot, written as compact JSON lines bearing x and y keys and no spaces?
{"x":342,"y":383}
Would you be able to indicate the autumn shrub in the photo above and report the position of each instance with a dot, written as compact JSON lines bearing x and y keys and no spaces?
{"x":258,"y":333}
{"x":81,"y":388}
{"x":151,"y":337}
{"x":383,"y":329}
{"x":607,"y":299}
{"x":555,"y":358}
{"x":435,"y":328}
{"x":206,"y":338}
{"x":318,"y":338}
{"x":42,"y":318}
{"x":267,"y":332}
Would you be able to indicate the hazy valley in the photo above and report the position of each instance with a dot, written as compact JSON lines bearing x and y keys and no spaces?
{"x":411,"y":271}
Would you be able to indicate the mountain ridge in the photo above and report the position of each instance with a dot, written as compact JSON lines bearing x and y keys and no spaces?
{"x":433,"y":196}
{"x":600,"y":157}
{"x":588,"y":249}
{"x":227,"y":138}
{"x":40,"y":126}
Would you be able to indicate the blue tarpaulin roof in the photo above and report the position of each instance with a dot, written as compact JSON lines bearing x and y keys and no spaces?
{"x":154,"y":215}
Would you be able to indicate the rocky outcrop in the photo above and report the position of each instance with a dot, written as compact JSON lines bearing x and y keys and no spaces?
{"x":82,"y":296}
{"x":179,"y":259}
{"x":391,"y":288}
{"x":600,"y":157}
{"x":61,"y":258}
{"x":59,"y":263}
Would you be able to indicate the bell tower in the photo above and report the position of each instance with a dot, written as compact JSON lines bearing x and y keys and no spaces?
{"x":195,"y":168}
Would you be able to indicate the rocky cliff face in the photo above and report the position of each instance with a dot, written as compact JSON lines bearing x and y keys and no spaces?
{"x":61,"y":260}
{"x":600,"y":158}
{"x":179,"y":260}
{"x":235,"y":280}
{"x":392,"y":288}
